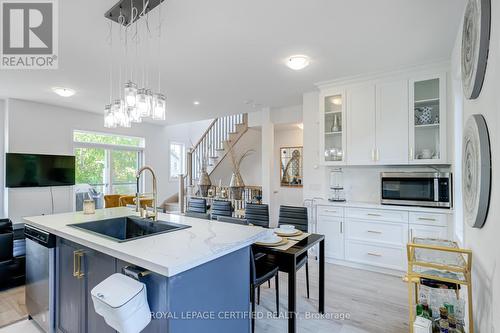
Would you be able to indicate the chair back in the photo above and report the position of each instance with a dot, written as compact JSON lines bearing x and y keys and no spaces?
{"x":257,"y":214}
{"x":233,"y":220}
{"x":296,"y":216}
{"x":112,"y":200}
{"x":203,"y":216}
{"x":221,"y":208}
{"x":197,"y":205}
{"x":6,"y":240}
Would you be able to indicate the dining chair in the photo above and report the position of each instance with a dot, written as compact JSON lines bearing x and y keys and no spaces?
{"x":233,"y":220}
{"x":112,"y":200}
{"x":261,"y":271}
{"x":197,"y":205}
{"x":221,"y":208}
{"x":257,"y":214}
{"x":297,"y":216}
{"x":203,"y":216}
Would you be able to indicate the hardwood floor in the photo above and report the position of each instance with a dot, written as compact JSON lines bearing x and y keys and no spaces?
{"x":371,"y":303}
{"x":12,"y":306}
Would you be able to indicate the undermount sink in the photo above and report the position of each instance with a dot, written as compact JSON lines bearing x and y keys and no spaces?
{"x":123,"y":229}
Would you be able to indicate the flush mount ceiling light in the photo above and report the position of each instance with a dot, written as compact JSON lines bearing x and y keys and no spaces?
{"x":64,"y":92}
{"x":196,"y":103}
{"x":298,"y":62}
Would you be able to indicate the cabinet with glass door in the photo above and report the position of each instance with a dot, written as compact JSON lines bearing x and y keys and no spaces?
{"x":428,"y":120}
{"x":332,"y":127}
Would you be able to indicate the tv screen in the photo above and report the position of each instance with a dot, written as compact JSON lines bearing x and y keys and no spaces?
{"x":33,"y":170}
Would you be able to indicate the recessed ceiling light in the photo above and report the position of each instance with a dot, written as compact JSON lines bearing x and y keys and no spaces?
{"x":64,"y":92}
{"x":196,"y":103}
{"x":297,"y":62}
{"x":300,"y":126}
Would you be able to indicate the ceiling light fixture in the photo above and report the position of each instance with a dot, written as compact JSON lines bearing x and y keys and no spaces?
{"x":336,"y":100}
{"x":298,"y":62}
{"x":64,"y":92}
{"x":196,"y":103}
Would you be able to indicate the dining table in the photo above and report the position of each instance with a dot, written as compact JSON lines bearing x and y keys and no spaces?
{"x":287,"y":262}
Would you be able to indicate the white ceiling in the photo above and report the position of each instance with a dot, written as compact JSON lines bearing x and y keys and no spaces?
{"x":222,"y":52}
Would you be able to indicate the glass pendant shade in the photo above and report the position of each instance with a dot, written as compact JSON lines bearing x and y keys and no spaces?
{"x":142,"y":103}
{"x":135,"y":115}
{"x":130,"y":93}
{"x":159,"y":106}
{"x":150,"y":102}
{"x":109,"y":118}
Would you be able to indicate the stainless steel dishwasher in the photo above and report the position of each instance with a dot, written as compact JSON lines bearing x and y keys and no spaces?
{"x":40,"y":277}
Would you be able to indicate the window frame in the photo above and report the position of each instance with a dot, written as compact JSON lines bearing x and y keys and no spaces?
{"x":108,"y":149}
{"x":183,"y":160}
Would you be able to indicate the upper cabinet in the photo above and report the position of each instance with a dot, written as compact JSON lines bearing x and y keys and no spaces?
{"x":361,"y":144}
{"x":391,"y":122}
{"x":332,"y":127}
{"x":394,"y":121}
{"x":428,"y":120}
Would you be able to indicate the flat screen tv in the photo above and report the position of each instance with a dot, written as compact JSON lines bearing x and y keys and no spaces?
{"x":34,"y":170}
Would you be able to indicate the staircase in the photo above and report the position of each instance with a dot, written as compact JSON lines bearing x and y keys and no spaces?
{"x":216,"y":143}
{"x":212,"y":148}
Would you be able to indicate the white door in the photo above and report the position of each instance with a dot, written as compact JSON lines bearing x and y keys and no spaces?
{"x":392,"y":123}
{"x":333,"y":229}
{"x":361,"y":125}
{"x":426,"y":231}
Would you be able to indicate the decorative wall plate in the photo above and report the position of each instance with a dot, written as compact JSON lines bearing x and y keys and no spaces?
{"x":475,"y":46}
{"x":476,"y":166}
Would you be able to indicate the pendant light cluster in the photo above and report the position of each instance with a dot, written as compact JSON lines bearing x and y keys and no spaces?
{"x":133,"y":102}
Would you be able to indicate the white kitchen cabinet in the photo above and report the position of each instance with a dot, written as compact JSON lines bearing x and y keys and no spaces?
{"x":427,"y":130}
{"x":428,"y":225}
{"x":391,"y":123}
{"x":426,"y":231}
{"x":332,"y":136}
{"x":332,"y":226}
{"x":361,"y":145}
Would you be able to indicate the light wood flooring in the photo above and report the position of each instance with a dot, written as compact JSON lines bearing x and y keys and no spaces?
{"x":373,"y":302}
{"x":12,"y":306}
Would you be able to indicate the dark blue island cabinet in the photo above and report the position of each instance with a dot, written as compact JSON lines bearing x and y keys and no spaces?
{"x":212,"y":297}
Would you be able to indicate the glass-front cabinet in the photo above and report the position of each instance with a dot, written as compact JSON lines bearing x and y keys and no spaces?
{"x":428,"y":120}
{"x":332,"y":127}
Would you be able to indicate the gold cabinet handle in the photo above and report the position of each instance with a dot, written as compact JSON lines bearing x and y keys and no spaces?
{"x":374,"y":254}
{"x":374,"y":232}
{"x":372,"y":214}
{"x":77,"y":264}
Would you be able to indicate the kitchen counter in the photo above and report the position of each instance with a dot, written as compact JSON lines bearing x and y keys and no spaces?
{"x":167,"y":254}
{"x":373,"y":205}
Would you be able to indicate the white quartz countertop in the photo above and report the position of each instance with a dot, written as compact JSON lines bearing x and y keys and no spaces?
{"x":167,"y":254}
{"x":373,"y":205}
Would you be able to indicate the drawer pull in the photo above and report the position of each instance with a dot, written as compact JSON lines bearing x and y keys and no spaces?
{"x":426,"y":219}
{"x":372,"y":214}
{"x":374,"y":232}
{"x":374,"y":254}
{"x":330,"y":211}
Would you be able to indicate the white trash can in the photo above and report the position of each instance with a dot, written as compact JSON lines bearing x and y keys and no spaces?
{"x":123,"y":303}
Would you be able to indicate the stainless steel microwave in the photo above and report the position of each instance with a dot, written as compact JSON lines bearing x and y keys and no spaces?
{"x":425,"y":189}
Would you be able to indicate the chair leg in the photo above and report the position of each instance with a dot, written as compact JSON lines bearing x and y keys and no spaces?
{"x":307,"y":279}
{"x":258,"y":295}
{"x":277,"y":294}
{"x":252,"y":299}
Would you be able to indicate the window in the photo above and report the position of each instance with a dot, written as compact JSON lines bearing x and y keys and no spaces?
{"x":177,"y":159}
{"x":108,"y":162}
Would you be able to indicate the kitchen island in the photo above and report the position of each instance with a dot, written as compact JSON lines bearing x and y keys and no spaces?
{"x":197,"y":278}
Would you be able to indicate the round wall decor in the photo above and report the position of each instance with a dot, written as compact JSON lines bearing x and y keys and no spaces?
{"x":476,"y":166}
{"x":475,"y":46}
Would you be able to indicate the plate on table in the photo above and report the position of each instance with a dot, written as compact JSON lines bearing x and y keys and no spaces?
{"x":272,"y":241}
{"x":287,"y":232}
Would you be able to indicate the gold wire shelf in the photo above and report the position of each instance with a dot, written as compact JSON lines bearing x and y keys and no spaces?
{"x":438,"y":260}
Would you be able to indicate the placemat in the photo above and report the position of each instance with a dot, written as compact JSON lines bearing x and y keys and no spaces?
{"x":283,"y":247}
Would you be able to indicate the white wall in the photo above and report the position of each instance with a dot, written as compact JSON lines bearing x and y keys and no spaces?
{"x":41,"y":128}
{"x":484,"y":242}
{"x":285,"y":136}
